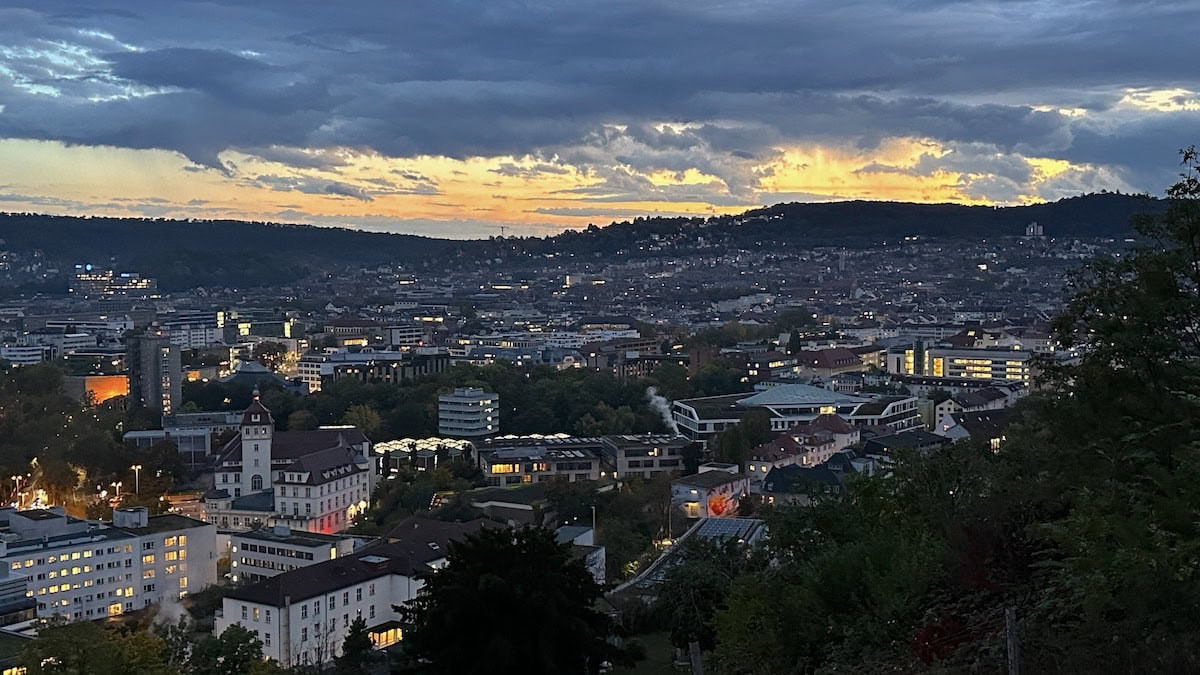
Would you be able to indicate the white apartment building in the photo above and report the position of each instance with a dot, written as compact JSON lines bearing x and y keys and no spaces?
{"x":79,"y":569}
{"x":302,"y":616}
{"x":268,"y":552}
{"x":316,"y":481}
{"x":411,"y":335}
{"x":468,"y":413}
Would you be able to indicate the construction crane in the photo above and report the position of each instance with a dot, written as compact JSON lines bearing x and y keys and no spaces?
{"x":503,"y":230}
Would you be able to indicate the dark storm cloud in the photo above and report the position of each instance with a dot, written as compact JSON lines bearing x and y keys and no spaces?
{"x":590,"y":82}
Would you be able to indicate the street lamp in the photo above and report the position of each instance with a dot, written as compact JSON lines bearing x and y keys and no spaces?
{"x":137,"y":478}
{"x":117,"y":485}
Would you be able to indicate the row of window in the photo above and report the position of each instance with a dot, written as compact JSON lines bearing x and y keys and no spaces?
{"x":272,"y":550}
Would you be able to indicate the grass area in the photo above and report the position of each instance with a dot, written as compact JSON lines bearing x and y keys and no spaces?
{"x":660,"y":656}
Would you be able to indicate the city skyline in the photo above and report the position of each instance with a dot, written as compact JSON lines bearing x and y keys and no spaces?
{"x":452,"y":119}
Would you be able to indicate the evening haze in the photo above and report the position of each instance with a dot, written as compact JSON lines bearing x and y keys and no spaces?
{"x":454,"y":118}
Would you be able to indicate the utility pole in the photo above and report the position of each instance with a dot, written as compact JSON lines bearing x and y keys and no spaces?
{"x":1014,"y":652}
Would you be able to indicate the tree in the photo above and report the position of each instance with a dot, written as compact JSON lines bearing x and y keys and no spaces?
{"x":270,"y":354}
{"x":75,"y":649}
{"x":302,"y":420}
{"x":793,"y":346}
{"x":523,"y":602}
{"x":233,"y":652}
{"x":364,"y":418}
{"x":693,"y":591}
{"x":358,"y":655}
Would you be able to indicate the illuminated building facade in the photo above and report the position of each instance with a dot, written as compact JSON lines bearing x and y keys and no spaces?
{"x":94,"y":282}
{"x":80,"y":569}
{"x":314,"y":481}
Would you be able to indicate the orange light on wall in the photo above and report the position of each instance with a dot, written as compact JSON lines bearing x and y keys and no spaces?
{"x":105,"y":387}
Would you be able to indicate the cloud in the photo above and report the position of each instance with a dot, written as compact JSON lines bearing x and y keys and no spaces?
{"x":627,"y":96}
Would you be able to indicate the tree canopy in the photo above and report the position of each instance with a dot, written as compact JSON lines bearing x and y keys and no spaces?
{"x":520,"y":601}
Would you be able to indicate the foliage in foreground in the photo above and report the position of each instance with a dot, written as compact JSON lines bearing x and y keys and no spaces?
{"x":1085,"y":522}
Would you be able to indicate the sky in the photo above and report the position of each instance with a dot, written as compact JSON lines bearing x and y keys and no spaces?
{"x":476,"y":118}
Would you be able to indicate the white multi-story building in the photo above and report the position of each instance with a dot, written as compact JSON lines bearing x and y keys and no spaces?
{"x":24,"y":355}
{"x":468,"y":413}
{"x":316,"y":481}
{"x":788,"y":405}
{"x":79,"y":569}
{"x":102,"y":326}
{"x":268,"y":552}
{"x":302,"y":616}
{"x":60,"y":342}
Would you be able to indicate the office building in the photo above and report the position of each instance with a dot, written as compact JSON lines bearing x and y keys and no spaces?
{"x":468,"y":413}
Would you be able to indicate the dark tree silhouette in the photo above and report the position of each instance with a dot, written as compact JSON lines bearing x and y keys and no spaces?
{"x":522,"y":602}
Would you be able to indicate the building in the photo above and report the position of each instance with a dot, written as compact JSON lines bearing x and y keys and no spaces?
{"x":989,"y":398}
{"x":390,"y":371}
{"x":315,"y":481}
{"x":60,"y":341}
{"x":916,"y":440}
{"x":193,"y":330}
{"x":997,"y":365}
{"x":806,"y":445}
{"x":538,"y":463}
{"x":469,"y":413}
{"x":987,"y":426}
{"x":267,"y":552}
{"x":827,"y":363}
{"x":155,"y":372}
{"x":407,"y":335}
{"x":94,"y":282}
{"x":788,"y":405}
{"x":79,"y":569}
{"x":95,"y":388}
{"x":315,"y":369}
{"x":583,"y":545}
{"x":645,"y":456}
{"x":302,"y":616}
{"x":796,"y":484}
{"x":715,"y":492}
{"x":25,"y":355}
{"x":192,"y":434}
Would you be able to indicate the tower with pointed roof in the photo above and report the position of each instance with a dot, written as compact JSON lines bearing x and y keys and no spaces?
{"x":258,"y":428}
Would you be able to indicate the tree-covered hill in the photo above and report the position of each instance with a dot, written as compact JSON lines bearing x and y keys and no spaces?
{"x":187,"y":253}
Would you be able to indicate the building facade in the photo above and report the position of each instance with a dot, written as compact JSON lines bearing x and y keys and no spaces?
{"x":302,"y":616}
{"x":79,"y":569}
{"x":268,"y":552}
{"x":155,"y":372}
{"x":469,"y":413}
{"x":315,"y":481}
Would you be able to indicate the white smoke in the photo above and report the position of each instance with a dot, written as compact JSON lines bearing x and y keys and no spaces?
{"x":170,"y":611}
{"x":663,"y":406}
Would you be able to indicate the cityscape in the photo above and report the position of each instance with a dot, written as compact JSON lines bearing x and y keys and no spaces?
{"x":534,"y":338}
